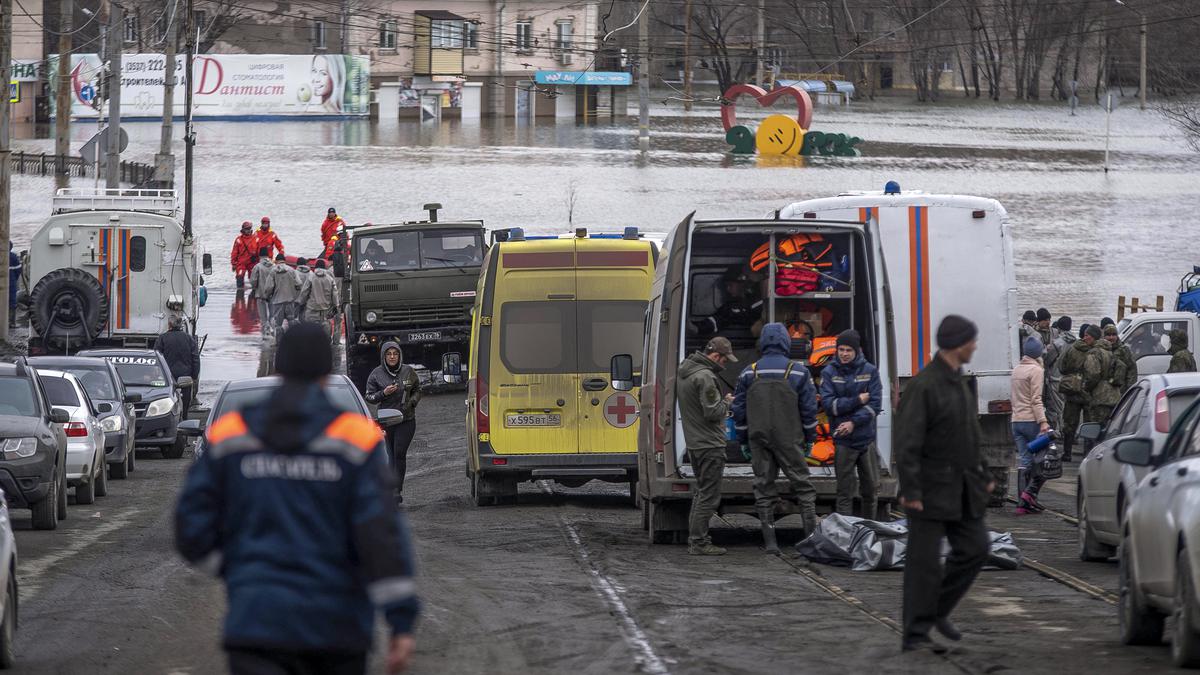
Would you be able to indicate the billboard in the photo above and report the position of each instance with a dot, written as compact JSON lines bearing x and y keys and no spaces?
{"x":231,"y":85}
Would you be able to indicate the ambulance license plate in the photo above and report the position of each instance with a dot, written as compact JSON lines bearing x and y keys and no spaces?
{"x":427,"y":336}
{"x":533,"y":420}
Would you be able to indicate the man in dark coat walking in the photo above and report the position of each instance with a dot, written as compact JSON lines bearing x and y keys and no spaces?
{"x":182,"y":355}
{"x":944,"y":487}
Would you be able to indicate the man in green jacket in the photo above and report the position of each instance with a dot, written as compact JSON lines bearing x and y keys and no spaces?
{"x":1071,"y":387}
{"x":1100,"y":372}
{"x":1124,"y":366}
{"x":1182,"y":360}
{"x":944,"y":487}
{"x":703,"y":411}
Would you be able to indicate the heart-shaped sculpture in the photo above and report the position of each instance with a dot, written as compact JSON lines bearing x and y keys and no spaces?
{"x":804,"y":104}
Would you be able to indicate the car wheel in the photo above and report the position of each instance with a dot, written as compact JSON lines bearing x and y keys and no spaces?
{"x":120,"y":469}
{"x":1090,"y":550}
{"x":85,"y":492}
{"x":102,"y":480}
{"x":1139,"y":624}
{"x":177,"y":448}
{"x":8,"y":629}
{"x":1185,"y":643}
{"x":45,"y":512}
{"x":132,"y":458}
{"x":481,"y":490}
{"x":62,"y":497}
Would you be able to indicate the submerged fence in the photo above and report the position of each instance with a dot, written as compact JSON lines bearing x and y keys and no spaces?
{"x":43,"y":164}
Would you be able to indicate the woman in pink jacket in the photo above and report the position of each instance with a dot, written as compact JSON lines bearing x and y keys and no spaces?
{"x":1028,"y":422}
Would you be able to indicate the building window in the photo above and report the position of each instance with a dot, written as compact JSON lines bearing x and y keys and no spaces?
{"x":318,"y":34}
{"x":566,"y":34}
{"x":447,"y":34}
{"x":131,"y":29}
{"x":471,"y":35}
{"x":868,"y":21}
{"x":524,"y":36}
{"x":387,"y":34}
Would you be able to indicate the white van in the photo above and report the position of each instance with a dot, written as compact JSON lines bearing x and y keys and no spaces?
{"x":907,"y":260}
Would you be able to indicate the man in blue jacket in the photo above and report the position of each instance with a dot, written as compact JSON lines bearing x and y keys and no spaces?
{"x":852,"y":396}
{"x":292,"y":507}
{"x":774,"y":406}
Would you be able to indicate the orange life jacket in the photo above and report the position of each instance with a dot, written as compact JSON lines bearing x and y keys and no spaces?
{"x":824,"y":348}
{"x":823,"y":450}
{"x":807,"y":250}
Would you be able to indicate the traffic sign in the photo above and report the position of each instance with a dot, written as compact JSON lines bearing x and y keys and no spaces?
{"x":14,"y":92}
{"x":87,"y":92}
{"x":95,"y":151}
{"x":621,"y":410}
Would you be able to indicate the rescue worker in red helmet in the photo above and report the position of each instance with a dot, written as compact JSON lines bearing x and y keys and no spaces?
{"x":245,"y":253}
{"x":330,"y":227}
{"x":268,"y":239}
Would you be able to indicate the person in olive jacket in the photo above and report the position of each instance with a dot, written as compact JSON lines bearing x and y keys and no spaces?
{"x":944,"y":487}
{"x":395,"y":385}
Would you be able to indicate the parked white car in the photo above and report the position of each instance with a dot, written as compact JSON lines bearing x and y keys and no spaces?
{"x":87,"y":470}
{"x":8,"y":576}
{"x":1160,"y":551}
{"x":1147,"y":411}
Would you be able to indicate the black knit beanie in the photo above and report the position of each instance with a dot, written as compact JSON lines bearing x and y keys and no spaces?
{"x":1083,"y":329}
{"x":304,"y":353}
{"x":850,"y":338}
{"x":1029,"y":316}
{"x":1063,"y":323}
{"x":1043,"y":314}
{"x":955,"y":331}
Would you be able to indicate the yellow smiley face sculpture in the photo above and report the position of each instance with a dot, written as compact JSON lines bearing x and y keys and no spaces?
{"x":779,"y":135}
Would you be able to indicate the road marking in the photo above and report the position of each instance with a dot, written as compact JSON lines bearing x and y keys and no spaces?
{"x":609,"y":592}
{"x":606,"y":588}
{"x":31,"y":572}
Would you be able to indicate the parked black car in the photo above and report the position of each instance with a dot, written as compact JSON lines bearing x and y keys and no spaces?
{"x":114,"y":404}
{"x":33,"y":451}
{"x":145,"y":372}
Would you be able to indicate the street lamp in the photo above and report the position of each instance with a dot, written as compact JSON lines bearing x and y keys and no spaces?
{"x":1142,"y":68}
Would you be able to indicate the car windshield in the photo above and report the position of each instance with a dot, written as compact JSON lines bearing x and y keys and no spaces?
{"x":96,"y":382}
{"x":60,"y":392}
{"x":16,"y":397}
{"x":140,"y":371}
{"x":413,"y":250}
{"x":340,"y":395}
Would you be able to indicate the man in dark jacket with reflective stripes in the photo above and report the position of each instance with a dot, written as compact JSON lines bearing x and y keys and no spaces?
{"x":852,"y":397}
{"x":774,"y":406}
{"x":292,"y":507}
{"x":944,"y":486}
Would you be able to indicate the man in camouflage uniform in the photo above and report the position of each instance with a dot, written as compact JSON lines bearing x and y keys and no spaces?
{"x":1052,"y":361}
{"x":1042,"y":327}
{"x":1182,"y":360}
{"x":1100,"y":372}
{"x":1072,"y":387}
{"x":1125,"y":367}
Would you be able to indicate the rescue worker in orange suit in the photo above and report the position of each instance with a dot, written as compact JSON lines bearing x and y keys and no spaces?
{"x":268,"y":239}
{"x":329,"y":228}
{"x":244,"y":255}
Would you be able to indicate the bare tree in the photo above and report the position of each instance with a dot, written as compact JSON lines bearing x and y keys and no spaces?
{"x":927,"y":23}
{"x":719,"y":26}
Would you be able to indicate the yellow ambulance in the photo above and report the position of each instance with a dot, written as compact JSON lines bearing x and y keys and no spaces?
{"x":550,"y":314}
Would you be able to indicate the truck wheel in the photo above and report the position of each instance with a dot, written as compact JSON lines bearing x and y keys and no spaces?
{"x":1185,"y":643}
{"x":85,"y":493}
{"x":481,"y":490}
{"x":62,"y":497}
{"x":175,"y":451}
{"x":45,"y":512}
{"x":102,"y":480}
{"x":68,"y":308}
{"x":668,"y":522}
{"x":633,"y":494}
{"x":646,"y":515}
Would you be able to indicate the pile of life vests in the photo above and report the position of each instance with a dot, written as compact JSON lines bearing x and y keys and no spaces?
{"x":803,"y":263}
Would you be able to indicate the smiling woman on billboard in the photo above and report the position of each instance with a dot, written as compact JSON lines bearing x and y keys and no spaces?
{"x":328,"y":79}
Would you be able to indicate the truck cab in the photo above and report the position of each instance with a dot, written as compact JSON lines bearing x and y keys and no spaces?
{"x":411,"y":282}
{"x":1148,"y":335}
{"x":109,"y":268}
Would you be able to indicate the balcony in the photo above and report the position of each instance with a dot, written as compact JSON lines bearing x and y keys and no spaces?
{"x":438,"y":43}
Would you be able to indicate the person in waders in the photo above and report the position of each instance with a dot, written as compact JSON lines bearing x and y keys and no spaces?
{"x":774,"y":406}
{"x":395,"y":385}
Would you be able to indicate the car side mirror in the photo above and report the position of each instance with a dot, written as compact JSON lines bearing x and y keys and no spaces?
{"x":1092,"y":431}
{"x":59,"y":416}
{"x":191,"y":428}
{"x":184,"y":382}
{"x":207,"y":263}
{"x":1134,"y":451}
{"x":452,"y":368}
{"x":388,"y":417}
{"x":104,"y":408}
{"x":620,"y":372}
{"x":133,"y":398}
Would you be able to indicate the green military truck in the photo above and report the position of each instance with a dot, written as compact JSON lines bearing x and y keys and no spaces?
{"x":414,"y":283}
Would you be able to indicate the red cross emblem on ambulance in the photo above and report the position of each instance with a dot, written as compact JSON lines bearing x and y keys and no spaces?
{"x":621,"y":410}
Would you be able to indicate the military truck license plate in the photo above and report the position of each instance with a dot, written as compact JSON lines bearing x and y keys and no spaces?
{"x":533,"y":420}
{"x":427,"y":336}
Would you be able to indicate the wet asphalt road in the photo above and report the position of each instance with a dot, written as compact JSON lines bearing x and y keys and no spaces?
{"x":564,"y":581}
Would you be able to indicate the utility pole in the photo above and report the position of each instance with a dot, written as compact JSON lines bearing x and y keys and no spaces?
{"x":189,"y":135}
{"x":62,"y":96}
{"x":116,"y":38}
{"x":164,"y":161}
{"x":762,"y":32}
{"x":687,"y":55}
{"x":5,"y":158}
{"x":1142,"y":74}
{"x":345,"y":26}
{"x":644,"y":80}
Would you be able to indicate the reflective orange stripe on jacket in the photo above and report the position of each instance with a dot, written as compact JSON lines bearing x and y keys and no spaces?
{"x":230,"y":425}
{"x":356,"y":430}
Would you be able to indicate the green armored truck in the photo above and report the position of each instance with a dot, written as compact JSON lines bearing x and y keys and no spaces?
{"x":413,"y":283}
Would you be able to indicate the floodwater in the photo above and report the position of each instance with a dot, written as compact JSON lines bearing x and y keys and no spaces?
{"x":1081,"y":236}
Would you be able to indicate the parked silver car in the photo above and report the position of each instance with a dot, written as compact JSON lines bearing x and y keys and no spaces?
{"x":1146,"y":411}
{"x":87,"y":470}
{"x":1160,"y":550}
{"x":8,"y":577}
